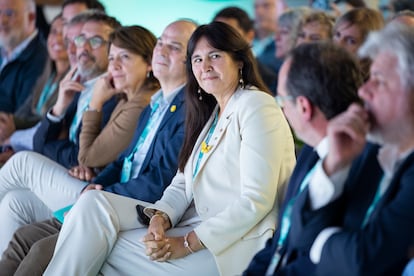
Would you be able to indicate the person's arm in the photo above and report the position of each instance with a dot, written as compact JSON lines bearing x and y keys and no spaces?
{"x":266,"y":160}
{"x":160,"y":164}
{"x":381,"y":247}
{"x":68,"y":87}
{"x":118,"y":133}
{"x":62,"y":150}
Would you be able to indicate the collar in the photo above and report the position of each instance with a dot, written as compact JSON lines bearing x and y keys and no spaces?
{"x":18,"y":49}
{"x":322,"y":148}
{"x":165,"y":99}
{"x":91,"y":82}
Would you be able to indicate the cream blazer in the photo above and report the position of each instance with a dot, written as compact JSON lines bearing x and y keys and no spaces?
{"x":240,"y":182}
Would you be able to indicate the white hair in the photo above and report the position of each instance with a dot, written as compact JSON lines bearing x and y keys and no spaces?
{"x":398,"y":40}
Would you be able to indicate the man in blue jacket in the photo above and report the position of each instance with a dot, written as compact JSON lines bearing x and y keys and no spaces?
{"x":142,"y":172}
{"x":23,"y":53}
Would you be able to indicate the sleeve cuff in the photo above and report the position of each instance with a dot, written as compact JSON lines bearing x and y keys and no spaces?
{"x":317,"y":246}
{"x":53,"y":118}
{"x":324,"y":189}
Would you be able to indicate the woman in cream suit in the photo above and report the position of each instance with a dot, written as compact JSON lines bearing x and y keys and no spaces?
{"x":221,"y":206}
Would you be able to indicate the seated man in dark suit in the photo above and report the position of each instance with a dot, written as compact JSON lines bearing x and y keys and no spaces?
{"x":57,"y":135}
{"x":266,"y":14}
{"x":377,"y":219}
{"x":317,"y":82}
{"x":142,"y":172}
{"x":23,"y":53}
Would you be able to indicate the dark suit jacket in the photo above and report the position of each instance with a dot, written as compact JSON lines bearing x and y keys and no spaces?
{"x":46,"y":140}
{"x":268,"y":58}
{"x":18,"y":78}
{"x":269,"y":76}
{"x":379,"y":248}
{"x":26,"y":115}
{"x":161,"y":162}
{"x":306,"y":160}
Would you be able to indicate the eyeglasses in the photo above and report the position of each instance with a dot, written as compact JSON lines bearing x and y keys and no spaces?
{"x":95,"y":42}
{"x":8,"y":13}
{"x":280,"y":100}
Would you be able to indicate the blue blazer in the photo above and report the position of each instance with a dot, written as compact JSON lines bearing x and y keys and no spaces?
{"x":46,"y":139}
{"x":306,"y":160}
{"x":18,"y":78}
{"x":161,"y":162}
{"x":267,"y":58}
{"x":381,"y":247}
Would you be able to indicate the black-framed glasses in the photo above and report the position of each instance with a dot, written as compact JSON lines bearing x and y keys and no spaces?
{"x":95,"y":41}
{"x":280,"y":100}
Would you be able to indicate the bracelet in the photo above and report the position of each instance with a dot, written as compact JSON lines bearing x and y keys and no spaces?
{"x":186,"y":244}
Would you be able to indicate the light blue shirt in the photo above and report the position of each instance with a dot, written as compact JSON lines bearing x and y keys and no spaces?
{"x":6,"y":59}
{"x":164,"y":102}
{"x":82,"y":106}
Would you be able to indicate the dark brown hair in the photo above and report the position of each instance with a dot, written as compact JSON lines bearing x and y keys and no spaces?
{"x":224,"y":38}
{"x":140,"y":41}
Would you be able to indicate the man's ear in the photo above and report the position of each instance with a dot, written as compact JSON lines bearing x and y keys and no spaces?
{"x":32,"y":17}
{"x":250,"y":36}
{"x":305,"y":107}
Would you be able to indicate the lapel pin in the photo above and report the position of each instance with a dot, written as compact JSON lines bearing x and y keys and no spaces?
{"x":173,"y":108}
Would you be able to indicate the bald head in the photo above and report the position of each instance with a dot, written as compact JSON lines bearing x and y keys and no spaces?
{"x":168,"y":61}
{"x":17,"y":26}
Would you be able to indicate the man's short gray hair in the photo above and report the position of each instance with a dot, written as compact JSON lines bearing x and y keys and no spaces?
{"x":398,"y":40}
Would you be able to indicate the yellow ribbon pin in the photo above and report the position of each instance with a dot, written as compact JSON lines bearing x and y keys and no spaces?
{"x":205,"y":147}
{"x":173,"y":108}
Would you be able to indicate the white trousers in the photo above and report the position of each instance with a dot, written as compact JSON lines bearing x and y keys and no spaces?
{"x":31,"y":188}
{"x":101,"y":235}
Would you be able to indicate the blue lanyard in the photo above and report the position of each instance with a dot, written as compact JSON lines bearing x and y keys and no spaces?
{"x":77,"y":118}
{"x":205,"y":147}
{"x":285,"y":224}
{"x":374,"y":202}
{"x":49,"y":87}
{"x":127,"y":164}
